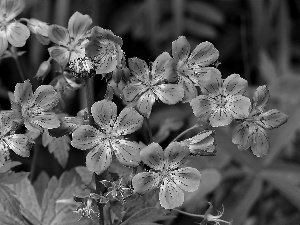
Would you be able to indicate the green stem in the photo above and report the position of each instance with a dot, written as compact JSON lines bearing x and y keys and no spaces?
{"x":149,"y":129}
{"x":189,"y":214}
{"x":185,"y":132}
{"x":89,"y":100}
{"x":34,"y":160}
{"x":15,"y":57}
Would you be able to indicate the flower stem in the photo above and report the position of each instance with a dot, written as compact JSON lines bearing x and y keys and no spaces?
{"x":185,"y":132}
{"x":189,"y":214}
{"x":148,"y":127}
{"x":15,"y":57}
{"x":89,"y":100}
{"x":33,"y":162}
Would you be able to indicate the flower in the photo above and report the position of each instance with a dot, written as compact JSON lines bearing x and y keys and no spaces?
{"x":104,"y":50}
{"x":70,"y":42}
{"x":108,"y":137}
{"x":222,"y":100}
{"x":251,"y":132}
{"x":171,"y":180}
{"x":200,"y":144}
{"x":40,"y":29}
{"x":189,"y":67}
{"x":19,"y":143}
{"x":12,"y":31}
{"x":34,"y":109}
{"x":116,"y":191}
{"x":149,"y":86}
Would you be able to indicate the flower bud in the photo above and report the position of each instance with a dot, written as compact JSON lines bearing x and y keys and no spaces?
{"x":43,"y":70}
{"x":117,"y":74}
{"x":38,"y":27}
{"x":126,"y":74}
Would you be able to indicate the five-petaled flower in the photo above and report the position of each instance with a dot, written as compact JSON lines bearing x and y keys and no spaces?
{"x":33,"y":109}
{"x":149,"y":85}
{"x":19,"y":143}
{"x":108,"y":137}
{"x":251,"y":132}
{"x":70,"y":42}
{"x":222,"y":100}
{"x":166,"y":175}
{"x":189,"y":67}
{"x":12,"y":31}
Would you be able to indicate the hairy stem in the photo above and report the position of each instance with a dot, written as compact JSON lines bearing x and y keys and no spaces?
{"x":189,"y":214}
{"x":15,"y":57}
{"x":33,"y":162}
{"x":185,"y":132}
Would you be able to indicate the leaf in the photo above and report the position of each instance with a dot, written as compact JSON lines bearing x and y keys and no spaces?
{"x":8,"y":165}
{"x":40,"y":185}
{"x":283,"y":184}
{"x":12,"y":178}
{"x":63,"y":188}
{"x":145,"y":216}
{"x":200,"y":29}
{"x":27,"y":197}
{"x":85,"y":174}
{"x":6,"y":219}
{"x":9,"y":202}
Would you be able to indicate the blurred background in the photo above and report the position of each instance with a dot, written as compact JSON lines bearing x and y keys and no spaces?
{"x":258,"y":39}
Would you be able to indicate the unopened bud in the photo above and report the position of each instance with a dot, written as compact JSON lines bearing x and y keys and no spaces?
{"x":117,"y":75}
{"x":38,"y":27}
{"x":43,"y":70}
{"x":126,"y":74}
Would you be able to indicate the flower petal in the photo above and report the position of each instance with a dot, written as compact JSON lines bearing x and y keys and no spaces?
{"x":78,"y":25}
{"x":235,"y":85}
{"x":261,"y":97}
{"x":127,"y":152}
{"x":169,"y":93}
{"x":211,"y":83}
{"x":153,"y":156}
{"x":99,"y":158}
{"x":239,"y":106}
{"x":145,"y":102}
{"x":161,"y":67}
{"x":104,"y":113}
{"x":180,"y":49}
{"x":3,"y":42}
{"x":189,"y":88}
{"x":17,"y":34}
{"x":23,"y":92}
{"x":46,"y":120}
{"x":144,"y":182}
{"x":132,"y":90}
{"x":220,"y":117}
{"x":260,"y":143}
{"x":202,"y":106}
{"x":86,"y":137}
{"x":45,"y":97}
{"x":11,"y":8}
{"x":20,"y":144}
{"x":59,"y":54}
{"x":242,"y":137}
{"x":170,"y":195}
{"x":128,"y":121}
{"x":202,"y":142}
{"x":187,"y":178}
{"x":272,"y":119}
{"x":139,"y":69}
{"x":59,"y":35}
{"x":203,"y":55}
{"x":175,"y":155}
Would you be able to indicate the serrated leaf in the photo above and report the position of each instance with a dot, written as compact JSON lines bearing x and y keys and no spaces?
{"x":63,"y":188}
{"x":9,"y":202}
{"x":85,"y":174}
{"x":40,"y":185}
{"x":8,"y":165}
{"x":146,"y":216}
{"x":12,"y":178}
{"x":26,"y":195}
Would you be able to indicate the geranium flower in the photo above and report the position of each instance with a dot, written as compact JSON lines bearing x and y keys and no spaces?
{"x":12,"y":31}
{"x":70,"y":42}
{"x":171,"y":180}
{"x":200,"y":144}
{"x":104,"y":49}
{"x":108,"y":137}
{"x":149,"y":85}
{"x":191,"y":66}
{"x":251,"y":132}
{"x":19,"y":143}
{"x":34,"y":109}
{"x":222,"y":100}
